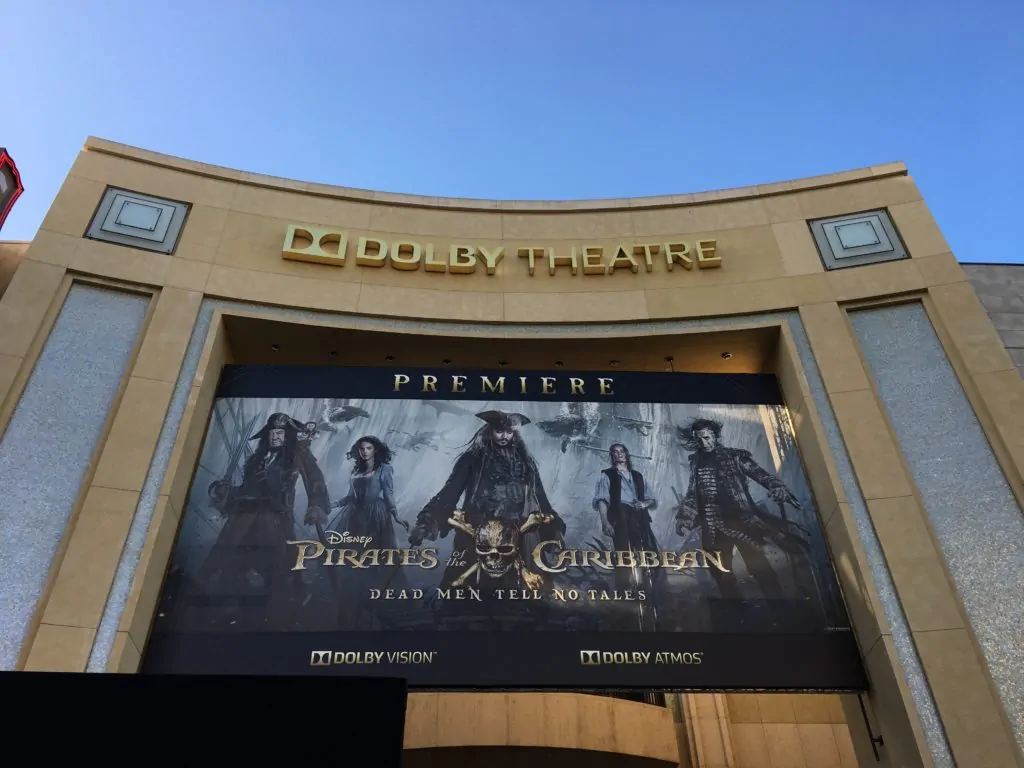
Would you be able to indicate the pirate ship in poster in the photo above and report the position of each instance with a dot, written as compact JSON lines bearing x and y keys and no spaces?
{"x":355,"y":515}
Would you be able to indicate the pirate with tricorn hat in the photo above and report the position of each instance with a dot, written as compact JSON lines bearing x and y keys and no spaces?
{"x":250,"y":556}
{"x":496,"y":478}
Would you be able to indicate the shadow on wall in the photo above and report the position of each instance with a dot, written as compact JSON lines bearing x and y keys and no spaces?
{"x":11,"y":254}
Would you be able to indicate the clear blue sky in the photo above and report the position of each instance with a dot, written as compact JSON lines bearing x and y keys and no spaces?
{"x":534,"y":100}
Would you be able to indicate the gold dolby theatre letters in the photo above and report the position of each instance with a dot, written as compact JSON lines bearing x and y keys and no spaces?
{"x":319,"y":245}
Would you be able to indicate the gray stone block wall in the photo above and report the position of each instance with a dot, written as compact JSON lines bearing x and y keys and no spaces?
{"x":899,"y":342}
{"x":1001,"y":290}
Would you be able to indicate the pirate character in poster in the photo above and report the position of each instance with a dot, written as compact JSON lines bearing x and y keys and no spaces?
{"x":624,"y":499}
{"x":368,"y":512}
{"x":369,"y":508}
{"x":250,"y":556}
{"x":718,"y":499}
{"x":504,"y":511}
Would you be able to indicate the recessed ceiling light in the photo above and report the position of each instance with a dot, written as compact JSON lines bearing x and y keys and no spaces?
{"x":727,"y":355}
{"x":613,"y":363}
{"x":274,"y":347}
{"x":389,"y":359}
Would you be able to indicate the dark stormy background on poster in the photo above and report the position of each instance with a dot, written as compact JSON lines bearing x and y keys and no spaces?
{"x":781,"y":581}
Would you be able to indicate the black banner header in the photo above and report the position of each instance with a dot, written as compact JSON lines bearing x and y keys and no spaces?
{"x":400,"y":383}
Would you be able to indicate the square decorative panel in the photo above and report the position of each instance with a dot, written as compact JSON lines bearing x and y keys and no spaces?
{"x":138,"y":220}
{"x":857,"y":239}
{"x":857,"y":235}
{"x":139,"y":216}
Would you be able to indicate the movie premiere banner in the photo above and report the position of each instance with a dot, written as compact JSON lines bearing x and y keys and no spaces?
{"x":509,"y":530}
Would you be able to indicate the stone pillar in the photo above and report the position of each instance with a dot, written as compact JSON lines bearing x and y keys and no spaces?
{"x":707,"y":730}
{"x":676,"y":706}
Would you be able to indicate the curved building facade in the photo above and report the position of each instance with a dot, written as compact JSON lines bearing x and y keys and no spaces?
{"x":151,"y":273}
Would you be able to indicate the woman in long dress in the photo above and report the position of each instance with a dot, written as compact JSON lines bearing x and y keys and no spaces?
{"x":368,"y":510}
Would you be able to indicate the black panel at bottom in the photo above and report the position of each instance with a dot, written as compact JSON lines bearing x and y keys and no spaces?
{"x":536,"y":660}
{"x":117,"y":719}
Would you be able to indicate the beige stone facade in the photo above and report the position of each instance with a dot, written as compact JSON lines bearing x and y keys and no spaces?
{"x":230,"y":248}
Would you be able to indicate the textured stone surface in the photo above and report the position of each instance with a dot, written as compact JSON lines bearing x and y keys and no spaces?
{"x":964,"y":491}
{"x":53,"y":432}
{"x":1000,"y":287}
{"x":901,"y":637}
{"x":120,"y":589}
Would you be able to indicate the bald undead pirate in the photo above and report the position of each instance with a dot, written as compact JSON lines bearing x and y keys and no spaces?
{"x":497,"y":479}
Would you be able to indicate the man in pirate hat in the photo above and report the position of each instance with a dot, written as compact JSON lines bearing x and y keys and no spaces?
{"x":496,"y":478}
{"x":250,"y":557}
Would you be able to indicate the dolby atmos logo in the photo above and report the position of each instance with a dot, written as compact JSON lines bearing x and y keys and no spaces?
{"x":596,"y":658}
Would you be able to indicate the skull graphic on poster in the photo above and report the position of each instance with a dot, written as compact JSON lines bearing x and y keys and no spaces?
{"x":497,"y":543}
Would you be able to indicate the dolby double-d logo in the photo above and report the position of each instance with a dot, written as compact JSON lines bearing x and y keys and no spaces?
{"x":590,"y":658}
{"x":320,"y":659}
